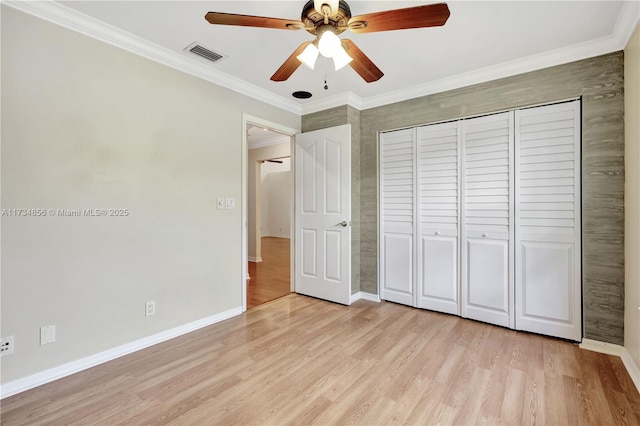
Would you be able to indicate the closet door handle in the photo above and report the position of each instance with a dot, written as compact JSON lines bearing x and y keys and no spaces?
{"x":437,"y":232}
{"x":485,"y":235}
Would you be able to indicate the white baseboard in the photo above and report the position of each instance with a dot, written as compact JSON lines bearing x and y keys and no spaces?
{"x":363,"y":295}
{"x":632,"y":367}
{"x":616,"y":350}
{"x":34,"y":380}
{"x":602,"y":347}
{"x":254,"y":259}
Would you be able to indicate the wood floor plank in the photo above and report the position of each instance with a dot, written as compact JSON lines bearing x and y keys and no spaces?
{"x":493,"y":397}
{"x":468,"y":411}
{"x":555,"y":401}
{"x":533,"y":412}
{"x":299,"y":360}
{"x":513,"y":397}
{"x":621,"y":410}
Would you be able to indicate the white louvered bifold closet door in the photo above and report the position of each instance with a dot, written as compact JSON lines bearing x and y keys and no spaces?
{"x":397,"y":195}
{"x":548,"y":265}
{"x":487,"y":219}
{"x":437,"y":246}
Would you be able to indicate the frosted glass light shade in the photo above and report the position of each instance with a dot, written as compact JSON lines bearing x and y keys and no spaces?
{"x":309,"y":56}
{"x":341,"y":58}
{"x":329,"y":44}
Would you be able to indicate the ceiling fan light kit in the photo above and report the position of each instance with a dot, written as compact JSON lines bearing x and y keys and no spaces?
{"x":326,"y":19}
{"x":341,"y":58}
{"x":309,"y":55}
{"x":328,"y":41}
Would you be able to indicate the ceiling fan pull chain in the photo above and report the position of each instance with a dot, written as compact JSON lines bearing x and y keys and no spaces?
{"x":326,"y":87}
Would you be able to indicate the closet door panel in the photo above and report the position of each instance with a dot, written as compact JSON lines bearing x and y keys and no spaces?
{"x":398,"y":268}
{"x":397,"y":205}
{"x":439,"y":274}
{"x":488,"y":281}
{"x":546,"y":270}
{"x":548,"y":260}
{"x":487,"y":219}
{"x":438,"y":199}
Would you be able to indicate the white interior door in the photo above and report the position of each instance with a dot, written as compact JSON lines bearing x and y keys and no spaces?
{"x":487,"y":219}
{"x":397,"y":195}
{"x":437,"y":177}
{"x":323,"y":214}
{"x":548,"y":279}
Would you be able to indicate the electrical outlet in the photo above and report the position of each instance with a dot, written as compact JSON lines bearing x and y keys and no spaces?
{"x":231,"y":203}
{"x":6,"y":346}
{"x":47,"y":334}
{"x":150,"y":308}
{"x":220,"y":204}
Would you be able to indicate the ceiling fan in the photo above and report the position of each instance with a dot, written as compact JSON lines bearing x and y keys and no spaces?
{"x":326,"y":19}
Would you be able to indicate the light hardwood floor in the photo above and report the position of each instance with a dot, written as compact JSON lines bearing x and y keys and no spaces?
{"x":270,"y":279}
{"x":299,"y":360}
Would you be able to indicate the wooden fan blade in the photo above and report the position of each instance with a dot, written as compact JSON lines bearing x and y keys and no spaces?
{"x":361,"y":62}
{"x":431,"y":15}
{"x":252,"y":21}
{"x":290,"y":65}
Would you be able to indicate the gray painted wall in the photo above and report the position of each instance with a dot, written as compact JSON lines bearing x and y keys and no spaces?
{"x":599,"y":82}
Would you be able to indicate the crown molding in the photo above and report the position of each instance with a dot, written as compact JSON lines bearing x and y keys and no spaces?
{"x":340,"y":99}
{"x":67,"y":17}
{"x":506,"y":69}
{"x":70,"y":18}
{"x":627,"y":22}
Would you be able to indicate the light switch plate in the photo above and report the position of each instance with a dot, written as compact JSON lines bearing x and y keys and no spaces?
{"x":231,"y":203}
{"x":220,"y":204}
{"x":47,"y":334}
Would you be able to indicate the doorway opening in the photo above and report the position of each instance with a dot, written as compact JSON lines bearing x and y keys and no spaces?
{"x":269,"y":214}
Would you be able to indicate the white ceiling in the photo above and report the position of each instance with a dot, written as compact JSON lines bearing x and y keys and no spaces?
{"x":481,"y":41}
{"x":258,"y":137}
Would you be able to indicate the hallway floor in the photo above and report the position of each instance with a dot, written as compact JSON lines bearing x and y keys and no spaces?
{"x":270,"y":279}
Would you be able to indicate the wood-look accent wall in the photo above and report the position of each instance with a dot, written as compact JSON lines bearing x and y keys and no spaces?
{"x":599,"y":82}
{"x":335,"y":117}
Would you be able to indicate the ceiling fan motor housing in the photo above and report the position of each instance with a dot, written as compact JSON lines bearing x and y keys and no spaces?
{"x":311,"y":18}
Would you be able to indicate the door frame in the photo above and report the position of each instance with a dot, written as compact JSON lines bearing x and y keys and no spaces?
{"x":248,"y":119}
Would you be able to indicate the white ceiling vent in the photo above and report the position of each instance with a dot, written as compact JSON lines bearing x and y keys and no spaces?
{"x":199,"y":50}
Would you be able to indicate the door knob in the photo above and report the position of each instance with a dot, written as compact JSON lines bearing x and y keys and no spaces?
{"x":344,"y":224}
